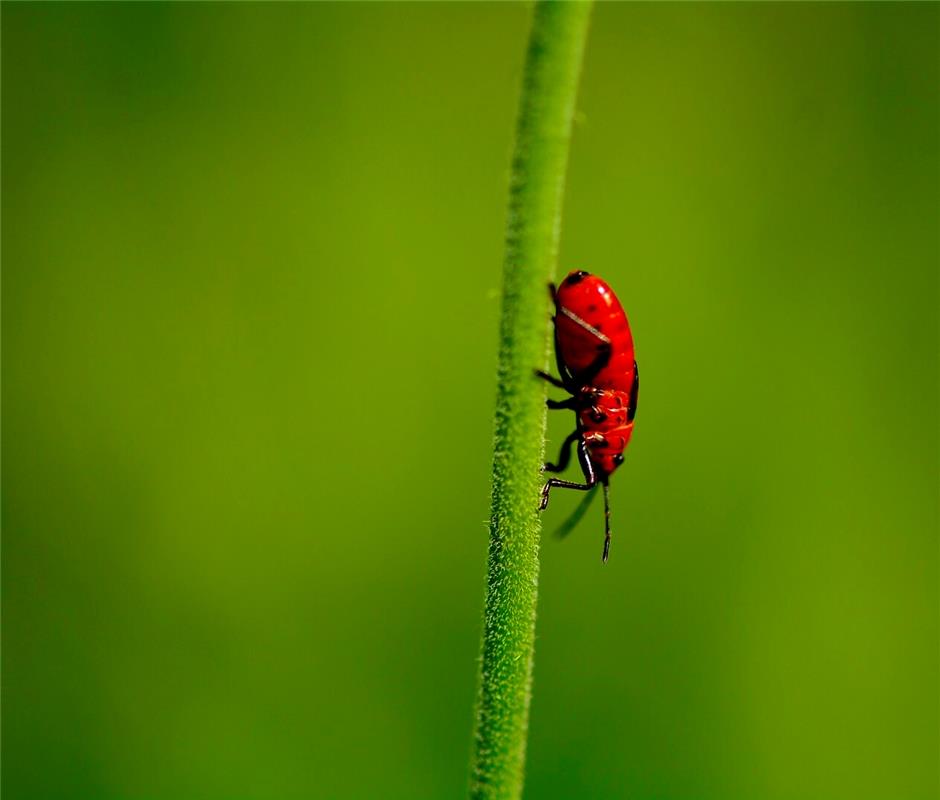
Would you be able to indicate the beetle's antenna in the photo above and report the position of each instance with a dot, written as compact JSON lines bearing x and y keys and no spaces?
{"x":606,"y":520}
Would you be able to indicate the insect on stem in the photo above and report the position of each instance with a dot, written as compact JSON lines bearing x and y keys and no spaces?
{"x":597,"y":366}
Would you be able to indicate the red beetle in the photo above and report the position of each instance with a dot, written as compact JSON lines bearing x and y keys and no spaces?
{"x":594,"y":352}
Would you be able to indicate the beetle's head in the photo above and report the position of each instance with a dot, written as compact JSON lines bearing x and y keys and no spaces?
{"x":575,"y":277}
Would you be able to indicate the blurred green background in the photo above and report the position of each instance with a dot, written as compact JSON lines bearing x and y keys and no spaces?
{"x":251,"y":257}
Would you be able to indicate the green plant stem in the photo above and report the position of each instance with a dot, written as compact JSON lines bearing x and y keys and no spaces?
{"x":553,"y":64}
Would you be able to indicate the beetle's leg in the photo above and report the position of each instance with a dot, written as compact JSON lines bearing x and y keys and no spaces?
{"x":550,"y":378}
{"x":565,"y":455}
{"x":552,"y":482}
{"x":581,"y":487}
{"x":571,"y":404}
{"x":585,"y":460}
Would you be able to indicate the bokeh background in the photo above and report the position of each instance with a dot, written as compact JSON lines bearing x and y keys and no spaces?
{"x":251,"y":259}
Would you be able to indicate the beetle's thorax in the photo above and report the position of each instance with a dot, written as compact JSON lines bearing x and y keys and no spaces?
{"x":605,"y":425}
